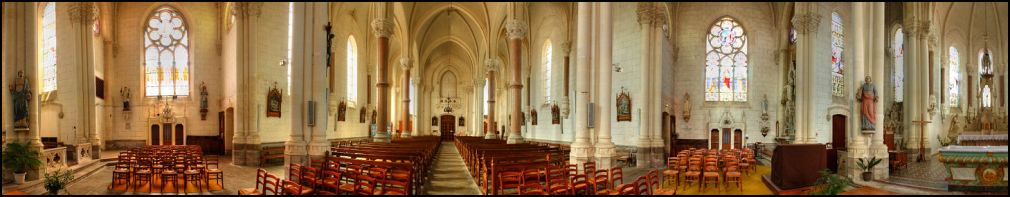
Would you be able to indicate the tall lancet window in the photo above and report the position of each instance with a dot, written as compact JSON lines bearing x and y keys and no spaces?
{"x":48,"y":50}
{"x":546,"y":68}
{"x":486,"y":87}
{"x":899,"y":65}
{"x":837,"y":45}
{"x":352,"y":70}
{"x":291,"y":39}
{"x":726,"y":62}
{"x":954,"y":80}
{"x":166,"y":52}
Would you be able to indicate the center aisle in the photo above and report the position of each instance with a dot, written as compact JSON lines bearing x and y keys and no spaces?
{"x":449,"y":175}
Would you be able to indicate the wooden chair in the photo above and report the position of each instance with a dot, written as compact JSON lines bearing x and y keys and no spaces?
{"x":170,"y":176}
{"x":291,"y":188}
{"x":330,"y":181}
{"x":212,"y":160}
{"x":600,"y":180}
{"x":628,"y":189}
{"x":121,"y":173}
{"x":559,"y":186}
{"x":710,"y":176}
{"x":532,"y":189}
{"x":395,"y":187}
{"x":214,"y":174}
{"x":257,"y":189}
{"x":295,"y":172}
{"x":616,"y":174}
{"x":671,"y":175}
{"x":580,"y":182}
{"x":733,"y":175}
{"x":192,"y":176}
{"x":642,"y":186}
{"x":309,"y":177}
{"x":693,"y":175}
{"x":509,"y":180}
{"x":365,"y":185}
{"x":142,"y":174}
{"x":654,"y":184}
{"x":271,"y":184}
{"x":532,"y":176}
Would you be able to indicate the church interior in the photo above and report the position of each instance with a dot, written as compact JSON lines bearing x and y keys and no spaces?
{"x":496,"y":98}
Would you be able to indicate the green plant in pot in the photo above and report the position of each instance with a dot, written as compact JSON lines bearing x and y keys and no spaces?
{"x":867,"y":166}
{"x":830,"y":184}
{"x":20,"y":158}
{"x":56,"y":181}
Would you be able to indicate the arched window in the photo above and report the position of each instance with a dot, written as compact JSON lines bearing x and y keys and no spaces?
{"x":899,"y":65}
{"x":48,"y":50}
{"x":166,"y":51}
{"x":546,"y":66}
{"x":726,"y":62}
{"x":954,"y":81}
{"x":486,"y":87}
{"x":837,"y":45}
{"x":413,"y":97}
{"x":352,"y":70}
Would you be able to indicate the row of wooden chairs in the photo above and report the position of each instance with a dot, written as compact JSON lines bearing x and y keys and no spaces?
{"x":145,"y":165}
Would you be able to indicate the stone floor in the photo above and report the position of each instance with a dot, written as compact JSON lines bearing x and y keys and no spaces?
{"x":449,"y":175}
{"x":929,"y":173}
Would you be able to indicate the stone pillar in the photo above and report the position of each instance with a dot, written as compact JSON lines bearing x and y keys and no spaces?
{"x":405,"y":65}
{"x":604,"y":147}
{"x":83,"y":15}
{"x":382,"y":28}
{"x":478,"y":120}
{"x":20,"y":21}
{"x":581,"y":148}
{"x":806,"y":21}
{"x":315,"y":78}
{"x":246,"y":140}
{"x":916,"y":25}
{"x":516,"y":31}
{"x":491,"y":66}
{"x":857,"y":146}
{"x":876,"y":44}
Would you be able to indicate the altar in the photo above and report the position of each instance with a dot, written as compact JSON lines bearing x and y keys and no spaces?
{"x":975,"y":168}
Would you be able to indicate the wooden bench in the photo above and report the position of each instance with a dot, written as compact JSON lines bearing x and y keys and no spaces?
{"x":487,"y":159}
{"x":271,"y":152}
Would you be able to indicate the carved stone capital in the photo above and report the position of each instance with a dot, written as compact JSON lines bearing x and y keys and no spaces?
{"x":912,"y":26}
{"x":650,"y":14}
{"x":806,"y":23}
{"x":491,"y":65}
{"x":247,"y":9}
{"x":515,"y":28}
{"x":83,"y":12}
{"x":566,"y":47}
{"x":405,"y":63}
{"x":382,"y":27}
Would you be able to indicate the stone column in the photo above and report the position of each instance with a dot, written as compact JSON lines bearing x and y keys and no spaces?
{"x":876,"y":44}
{"x":916,"y":61}
{"x":478,"y":120}
{"x":308,"y":87}
{"x":491,"y":66}
{"x":581,"y":148}
{"x":405,"y":65}
{"x":82,"y":16}
{"x":516,"y":31}
{"x":806,"y":21}
{"x":246,"y":140}
{"x":604,"y":147}
{"x":382,"y":28}
{"x":857,"y":146}
{"x":20,"y":23}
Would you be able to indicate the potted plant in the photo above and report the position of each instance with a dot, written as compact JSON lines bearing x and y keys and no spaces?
{"x":56,"y":181}
{"x":867,"y":166}
{"x":830,"y":184}
{"x":20,"y":158}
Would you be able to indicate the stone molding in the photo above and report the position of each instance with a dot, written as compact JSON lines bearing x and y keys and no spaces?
{"x":83,"y":12}
{"x":382,"y":28}
{"x":247,"y":9}
{"x":807,"y":23}
{"x":515,"y":28}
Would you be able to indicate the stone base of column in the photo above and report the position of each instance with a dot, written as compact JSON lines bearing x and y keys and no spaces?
{"x":319,"y":148}
{"x":381,"y":137}
{"x":490,"y":135}
{"x":649,"y":157}
{"x":516,"y":139}
{"x":848,"y":165}
{"x":605,"y":155}
{"x":294,"y":153}
{"x":96,"y":148}
{"x":581,"y":153}
{"x":879,"y":150}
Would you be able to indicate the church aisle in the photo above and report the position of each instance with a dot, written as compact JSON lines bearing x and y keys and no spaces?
{"x":449,"y":175}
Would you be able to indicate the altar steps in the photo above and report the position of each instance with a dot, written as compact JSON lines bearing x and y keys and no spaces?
{"x":917,"y":183}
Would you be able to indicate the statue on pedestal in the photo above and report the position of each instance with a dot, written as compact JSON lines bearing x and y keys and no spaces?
{"x":21,"y":95}
{"x":867,"y":94}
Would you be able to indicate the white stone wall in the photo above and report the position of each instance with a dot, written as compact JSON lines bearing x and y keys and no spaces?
{"x":271,"y":48}
{"x":344,"y":27}
{"x":201,"y":18}
{"x":692,"y":21}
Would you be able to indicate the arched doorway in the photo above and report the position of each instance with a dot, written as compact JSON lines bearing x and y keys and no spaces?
{"x":447,"y":127}
{"x":838,"y":140}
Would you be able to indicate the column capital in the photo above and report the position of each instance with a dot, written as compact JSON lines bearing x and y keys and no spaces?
{"x":382,"y":27}
{"x":247,"y":9}
{"x":806,"y":23}
{"x":491,"y":65}
{"x":650,"y":14}
{"x":83,"y":12}
{"x":405,"y":63}
{"x":566,"y":47}
{"x":515,"y":28}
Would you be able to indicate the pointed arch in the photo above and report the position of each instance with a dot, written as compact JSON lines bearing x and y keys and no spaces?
{"x":47,"y":50}
{"x":167,"y":53}
{"x":352,"y":69}
{"x":547,"y":68}
{"x":726,"y":61}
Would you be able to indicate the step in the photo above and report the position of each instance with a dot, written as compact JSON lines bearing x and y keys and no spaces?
{"x":79,"y":172}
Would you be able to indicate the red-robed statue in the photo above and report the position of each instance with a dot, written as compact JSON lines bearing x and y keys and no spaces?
{"x":868,"y":96}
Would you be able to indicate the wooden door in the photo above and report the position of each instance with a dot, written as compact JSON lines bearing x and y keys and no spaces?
{"x":448,"y":127}
{"x":838,"y":135}
{"x":155,"y":134}
{"x":166,"y":134}
{"x":714,"y":139}
{"x":726,"y":136}
{"x":738,"y":138}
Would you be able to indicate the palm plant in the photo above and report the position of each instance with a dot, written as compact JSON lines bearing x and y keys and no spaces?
{"x":56,"y":181}
{"x":830,"y":184}
{"x":867,"y":166}
{"x":20,"y":158}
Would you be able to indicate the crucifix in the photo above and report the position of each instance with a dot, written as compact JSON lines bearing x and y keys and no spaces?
{"x":922,"y":132}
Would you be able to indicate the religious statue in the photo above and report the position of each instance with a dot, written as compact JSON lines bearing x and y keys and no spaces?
{"x":556,"y":115}
{"x":20,"y":98}
{"x":274,"y":102}
{"x":764,"y":104}
{"x":533,"y":116}
{"x":342,"y":111}
{"x":125,"y":92}
{"x":361,"y":115}
{"x":462,"y":121}
{"x":203,"y":101}
{"x":623,"y":106}
{"x":686,"y":112}
{"x":434,"y":121}
{"x":868,"y":96}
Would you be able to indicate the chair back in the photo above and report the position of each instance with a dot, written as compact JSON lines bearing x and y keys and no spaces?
{"x":270,"y":184}
{"x":616,"y":174}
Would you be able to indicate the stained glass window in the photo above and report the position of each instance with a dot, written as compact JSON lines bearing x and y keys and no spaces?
{"x":291,"y":35}
{"x":726,"y":62}
{"x":546,"y":66}
{"x":166,"y":51}
{"x":837,"y":44}
{"x":954,"y":81}
{"x":352,"y":70}
{"x":49,"y":47}
{"x":899,"y":65}
{"x":413,"y":97}
{"x":486,"y":87}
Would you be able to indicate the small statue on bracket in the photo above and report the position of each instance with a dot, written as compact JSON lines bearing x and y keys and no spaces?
{"x":125,"y":92}
{"x":203,"y":101}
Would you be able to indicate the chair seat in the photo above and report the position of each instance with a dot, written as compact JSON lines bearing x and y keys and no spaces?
{"x":249,"y":191}
{"x":710,"y":174}
{"x":732,"y":174}
{"x":692,"y":173}
{"x":168,"y":172}
{"x":214,"y":171}
{"x":580,"y":185}
{"x":346,"y":187}
{"x":670,"y":172}
{"x":121,"y":171}
{"x":394,"y":193}
{"x":305,"y":190}
{"x":143,"y":172}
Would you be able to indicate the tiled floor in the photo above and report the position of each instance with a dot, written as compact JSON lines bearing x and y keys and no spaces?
{"x":929,"y":173}
{"x":236,"y":177}
{"x":449,"y":175}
